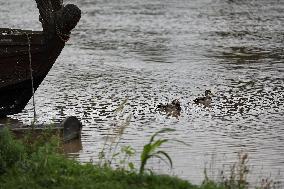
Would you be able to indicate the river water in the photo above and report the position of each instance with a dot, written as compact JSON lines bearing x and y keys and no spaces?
{"x":153,"y":51}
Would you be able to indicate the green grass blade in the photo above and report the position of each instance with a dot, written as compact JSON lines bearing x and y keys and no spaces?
{"x":161,"y":131}
{"x":146,"y":151}
{"x":157,"y":144}
{"x":163,"y":159}
{"x":167,"y":156}
{"x":180,"y":141}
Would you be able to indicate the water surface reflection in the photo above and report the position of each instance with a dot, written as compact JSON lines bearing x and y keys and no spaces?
{"x":152,"y":52}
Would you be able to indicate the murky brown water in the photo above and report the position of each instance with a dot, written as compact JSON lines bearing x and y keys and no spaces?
{"x":154,"y":51}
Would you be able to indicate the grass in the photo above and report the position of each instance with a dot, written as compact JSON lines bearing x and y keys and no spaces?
{"x":36,"y":164}
{"x":42,"y":166}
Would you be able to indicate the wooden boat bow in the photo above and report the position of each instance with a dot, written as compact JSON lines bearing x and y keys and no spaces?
{"x":43,"y":46}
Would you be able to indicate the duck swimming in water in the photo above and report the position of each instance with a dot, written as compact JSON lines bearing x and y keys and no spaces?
{"x":206,"y":100}
{"x":172,"y":109}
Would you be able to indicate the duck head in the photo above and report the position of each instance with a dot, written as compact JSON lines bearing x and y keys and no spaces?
{"x":161,"y":107}
{"x":208,"y":93}
{"x":176,"y":102}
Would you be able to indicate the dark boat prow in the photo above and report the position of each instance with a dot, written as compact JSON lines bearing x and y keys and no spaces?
{"x":24,"y":51}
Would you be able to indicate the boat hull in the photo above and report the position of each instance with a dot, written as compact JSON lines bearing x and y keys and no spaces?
{"x":23,"y":52}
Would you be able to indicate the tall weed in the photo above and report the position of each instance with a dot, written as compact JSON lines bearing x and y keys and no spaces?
{"x":151,"y":150}
{"x":11,"y":151}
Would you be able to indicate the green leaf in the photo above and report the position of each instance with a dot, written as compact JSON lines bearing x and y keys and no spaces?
{"x":167,"y":156}
{"x":161,"y":158}
{"x":116,"y":154}
{"x":150,"y":150}
{"x":159,"y":132}
{"x":180,"y":141}
{"x":131,"y":166}
{"x":145,"y":151}
{"x":157,"y":144}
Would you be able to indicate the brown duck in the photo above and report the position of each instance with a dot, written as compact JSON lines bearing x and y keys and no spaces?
{"x":205,"y":100}
{"x":172,"y":109}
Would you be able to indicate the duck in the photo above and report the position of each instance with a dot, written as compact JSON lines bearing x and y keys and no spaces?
{"x":172,"y":109}
{"x":205,"y":100}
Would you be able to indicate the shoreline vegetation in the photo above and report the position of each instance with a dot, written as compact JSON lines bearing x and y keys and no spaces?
{"x":40,"y":163}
